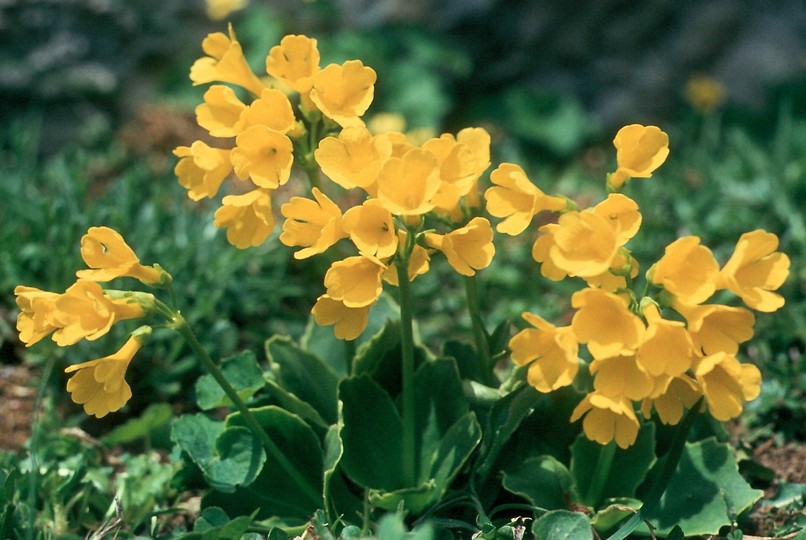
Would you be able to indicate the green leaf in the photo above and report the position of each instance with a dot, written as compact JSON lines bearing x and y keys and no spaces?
{"x":614,"y":513}
{"x":214,"y":524}
{"x":563,"y":525}
{"x":455,"y":448}
{"x":242,"y":372}
{"x":153,"y":418}
{"x":295,"y":405}
{"x":705,"y":493}
{"x":542,"y":480}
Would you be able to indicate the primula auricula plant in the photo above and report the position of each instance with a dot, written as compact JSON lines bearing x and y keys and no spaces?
{"x":391,"y":426}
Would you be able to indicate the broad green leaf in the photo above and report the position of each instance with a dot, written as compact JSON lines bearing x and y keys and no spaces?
{"x":614,"y":513}
{"x":338,"y":496}
{"x":563,"y":525}
{"x":214,"y":524}
{"x":153,"y":418}
{"x":295,"y":405}
{"x":455,"y":448}
{"x":466,"y":358}
{"x":542,"y":480}
{"x":241,"y":371}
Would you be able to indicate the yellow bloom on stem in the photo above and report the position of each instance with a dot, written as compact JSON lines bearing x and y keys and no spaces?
{"x":585,"y":244}
{"x":202,"y":169}
{"x":540,"y":253}
{"x":263,"y":155}
{"x":85,"y":312}
{"x":419,"y":261}
{"x":550,"y":352}
{"x":667,"y":348}
{"x":294,"y":61}
{"x":248,"y":218}
{"x":218,"y":10}
{"x":100,"y":385}
{"x":623,"y":214}
{"x":639,"y":151}
{"x":220,"y":112}
{"x":344,"y":92}
{"x":726,"y":383}
{"x":605,"y":323}
{"x":371,"y":229}
{"x":407,"y":184}
{"x":355,"y":281}
{"x":679,"y":394}
{"x":615,"y":277}
{"x":272,"y":110}
{"x":755,"y":270}
{"x":621,"y":377}
{"x":354,"y":158}
{"x":109,"y":257}
{"x":35,"y":320}
{"x":478,"y":141}
{"x":516,"y":199}
{"x":457,"y":169}
{"x":687,"y":270}
{"x":224,"y":62}
{"x":468,"y":248}
{"x":716,"y":328}
{"x":313,"y":224}
{"x":607,"y":418}
{"x":348,"y":322}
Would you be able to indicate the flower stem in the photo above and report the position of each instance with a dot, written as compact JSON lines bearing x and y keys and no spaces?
{"x":604,"y":464}
{"x":407,"y":369}
{"x":479,"y":333}
{"x":181,"y":326}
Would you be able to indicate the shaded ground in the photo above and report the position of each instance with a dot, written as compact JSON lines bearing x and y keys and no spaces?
{"x":17,"y":395}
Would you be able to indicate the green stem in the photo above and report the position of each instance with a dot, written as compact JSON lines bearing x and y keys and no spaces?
{"x":604,"y":464}
{"x":33,"y":446}
{"x":479,"y":333}
{"x":181,"y":326}
{"x":407,"y":352}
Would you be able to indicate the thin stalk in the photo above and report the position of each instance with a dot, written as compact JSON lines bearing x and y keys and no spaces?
{"x":33,"y":447}
{"x":407,"y":369}
{"x":479,"y":333}
{"x":181,"y":326}
{"x":604,"y":464}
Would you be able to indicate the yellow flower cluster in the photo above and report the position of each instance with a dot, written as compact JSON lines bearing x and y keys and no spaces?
{"x":86,"y":311}
{"x":662,"y":353}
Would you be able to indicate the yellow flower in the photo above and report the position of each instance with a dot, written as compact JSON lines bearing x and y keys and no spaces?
{"x":221,"y":9}
{"x":549,"y":351}
{"x":704,"y":93}
{"x":469,"y":248}
{"x":716,"y":328}
{"x":348,"y":322}
{"x":344,"y":92}
{"x":623,"y":214}
{"x":272,"y":110}
{"x":516,"y":199}
{"x":639,"y":151}
{"x":224,"y":62}
{"x":621,"y":377}
{"x":726,"y":383}
{"x":220,"y":112}
{"x":605,"y":323}
{"x":316,"y":225}
{"x":457,"y":168}
{"x":607,"y":418}
{"x":478,"y":141}
{"x":202,"y":169}
{"x":407,"y":184}
{"x":667,"y":348}
{"x":35,"y":320}
{"x":100,"y":385}
{"x":755,"y":270}
{"x":540,"y":253}
{"x":109,"y":257}
{"x":687,"y":270}
{"x":85,"y":312}
{"x":615,"y":277}
{"x":248,"y":218}
{"x":264,"y":155}
{"x":294,"y":61}
{"x":679,"y":394}
{"x":585,"y":244}
{"x":419,"y":261}
{"x":354,"y":158}
{"x":355,"y":281}
{"x":371,"y":229}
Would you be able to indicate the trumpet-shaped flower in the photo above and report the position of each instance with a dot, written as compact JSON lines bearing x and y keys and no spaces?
{"x":294,"y":61}
{"x":354,"y":158}
{"x":605,"y":323}
{"x":371,"y":229}
{"x":344,"y":92}
{"x":667,"y":348}
{"x":202,"y":169}
{"x":224,"y":62}
{"x":220,"y":112}
{"x":406,"y":185}
{"x":606,"y":419}
{"x":314,"y":224}
{"x":478,"y":141}
{"x":248,"y":218}
{"x":419,"y":262}
{"x":623,"y":214}
{"x":585,"y":244}
{"x":100,"y":385}
{"x":348,"y":322}
{"x":679,"y":394}
{"x":516,"y":199}
{"x":549,"y":351}
{"x":540,"y":253}
{"x":687,"y":270}
{"x":716,"y":328}
{"x":109,"y":257}
{"x":755,"y":270}
{"x":469,"y":248}
{"x":621,"y":377}
{"x":35,"y":320}
{"x":457,"y":169}
{"x":272,"y":110}
{"x":355,"y":281}
{"x":263,"y":155}
{"x":639,"y":151}
{"x":726,"y":383}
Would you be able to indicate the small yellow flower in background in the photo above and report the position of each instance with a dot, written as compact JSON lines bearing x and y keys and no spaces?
{"x":726,"y":383}
{"x":667,"y":348}
{"x":419,"y":261}
{"x":386,"y":122}
{"x":623,"y":214}
{"x":248,"y":218}
{"x":354,"y":158}
{"x":272,"y":110}
{"x":344,"y":92}
{"x":606,"y":419}
{"x":263,"y":155}
{"x":639,"y":151}
{"x":516,"y":199}
{"x":716,"y":328}
{"x":549,"y":351}
{"x":219,"y":10}
{"x":604,"y":322}
{"x":313,"y":224}
{"x":202,"y":169}
{"x":621,"y":376}
{"x":468,"y":248}
{"x":688,"y":270}
{"x":755,"y":270}
{"x":355,"y":281}
{"x":109,"y":257}
{"x":406,"y":185}
{"x":680,"y":394}
{"x":585,"y":244}
{"x":704,"y":93}
{"x":371,"y":229}
{"x":224,"y":62}
{"x":100,"y":385}
{"x":348,"y":323}
{"x":35,"y":320}
{"x":294,"y":62}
